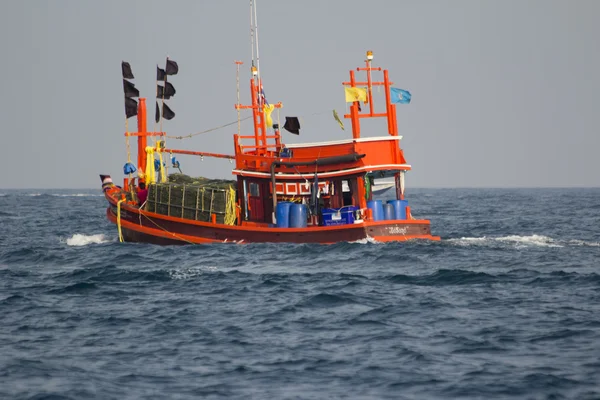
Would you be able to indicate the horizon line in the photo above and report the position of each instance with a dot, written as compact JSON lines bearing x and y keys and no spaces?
{"x":412,"y":187}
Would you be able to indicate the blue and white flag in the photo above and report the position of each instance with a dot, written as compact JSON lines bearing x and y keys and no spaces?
{"x":400,"y":96}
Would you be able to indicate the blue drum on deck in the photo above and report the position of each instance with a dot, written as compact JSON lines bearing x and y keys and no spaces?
{"x":399,"y":208}
{"x":377,"y":208}
{"x":389,"y":213}
{"x":298,"y":215}
{"x":283,"y":214}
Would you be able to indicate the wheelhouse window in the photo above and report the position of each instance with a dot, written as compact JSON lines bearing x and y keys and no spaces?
{"x":254,"y":189}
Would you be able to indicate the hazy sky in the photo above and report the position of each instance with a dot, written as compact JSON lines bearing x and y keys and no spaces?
{"x":504,"y":92}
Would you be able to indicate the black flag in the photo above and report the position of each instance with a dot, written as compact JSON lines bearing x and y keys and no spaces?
{"x":167,"y":112}
{"x":292,"y":125}
{"x":126,"y":68}
{"x":131,"y":107}
{"x":157,"y":113}
{"x":172,"y":67}
{"x":165,"y":92}
{"x":160,"y":74}
{"x":129,"y":89}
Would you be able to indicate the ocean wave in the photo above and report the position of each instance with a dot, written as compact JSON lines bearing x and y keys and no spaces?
{"x":44,"y":194}
{"x":445,"y":277}
{"x":327,"y":300}
{"x":80,"y":287}
{"x":79,"y":239}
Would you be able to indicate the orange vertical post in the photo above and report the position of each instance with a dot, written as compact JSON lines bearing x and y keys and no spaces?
{"x":370,"y":98}
{"x":277,"y":139}
{"x":263,"y":122}
{"x":142,"y":139}
{"x":399,"y":195}
{"x":354,"y":112}
{"x":360,"y":182}
{"x":254,"y":111}
{"x":394,"y":126}
{"x":388,"y":104}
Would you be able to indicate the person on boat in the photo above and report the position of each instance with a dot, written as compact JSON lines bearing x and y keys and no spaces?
{"x":142,"y":193}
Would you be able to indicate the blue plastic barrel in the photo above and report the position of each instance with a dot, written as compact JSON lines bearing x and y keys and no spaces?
{"x":377,"y":207}
{"x":389,"y":213}
{"x":298,"y":215}
{"x":399,"y":208}
{"x":282,"y":214}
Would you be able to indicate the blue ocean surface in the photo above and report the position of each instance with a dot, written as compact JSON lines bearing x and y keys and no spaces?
{"x":506,"y":305}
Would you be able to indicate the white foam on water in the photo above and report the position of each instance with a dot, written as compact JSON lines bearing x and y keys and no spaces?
{"x":576,"y":242}
{"x":189,"y":273}
{"x":366,"y":240}
{"x":79,"y":239}
{"x":469,"y":240}
{"x":533,"y":240}
{"x":516,"y":240}
{"x":76,"y":195}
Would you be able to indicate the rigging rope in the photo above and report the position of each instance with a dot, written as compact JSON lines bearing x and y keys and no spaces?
{"x":119,"y":219}
{"x":235,"y":122}
{"x":206,"y":131}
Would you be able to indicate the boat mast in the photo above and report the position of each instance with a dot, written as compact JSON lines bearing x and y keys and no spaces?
{"x":390,"y":109}
{"x":260,"y":100}
{"x":237,"y":79}
{"x":260,"y":128}
{"x":258,"y":103}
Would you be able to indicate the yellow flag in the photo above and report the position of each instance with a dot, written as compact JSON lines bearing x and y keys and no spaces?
{"x":337,"y":118}
{"x":268,"y":109}
{"x":355,"y":94}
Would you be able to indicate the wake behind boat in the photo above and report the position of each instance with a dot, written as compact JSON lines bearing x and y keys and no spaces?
{"x":302,"y":193}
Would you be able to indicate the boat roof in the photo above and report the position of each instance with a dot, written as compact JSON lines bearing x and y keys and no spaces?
{"x":344,"y":141}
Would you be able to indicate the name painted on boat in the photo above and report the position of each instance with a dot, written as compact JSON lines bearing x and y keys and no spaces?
{"x":396,"y":230}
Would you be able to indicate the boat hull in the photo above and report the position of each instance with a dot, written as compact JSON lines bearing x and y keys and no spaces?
{"x":145,"y":227}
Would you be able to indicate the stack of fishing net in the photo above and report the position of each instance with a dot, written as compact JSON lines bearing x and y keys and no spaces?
{"x":195,"y":198}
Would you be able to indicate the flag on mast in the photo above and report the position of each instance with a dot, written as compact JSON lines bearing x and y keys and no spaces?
{"x":160,"y":74}
{"x":129,"y":89}
{"x":172,"y":68}
{"x":131,"y":107}
{"x":126,"y":69}
{"x":337,"y":118}
{"x":355,"y":94}
{"x":400,"y":96}
{"x":167,"y":113}
{"x":166,"y":91}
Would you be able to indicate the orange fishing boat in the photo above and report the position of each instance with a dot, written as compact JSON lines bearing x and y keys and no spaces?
{"x":301,"y":193}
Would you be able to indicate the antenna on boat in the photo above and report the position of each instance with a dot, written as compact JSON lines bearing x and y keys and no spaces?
{"x":254,"y":42}
{"x":254,"y":38}
{"x":370,"y":86}
{"x":252,"y":31}
{"x":237,"y":78}
{"x":256,"y":34}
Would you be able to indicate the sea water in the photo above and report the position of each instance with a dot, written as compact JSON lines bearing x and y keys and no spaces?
{"x":506,"y":305}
